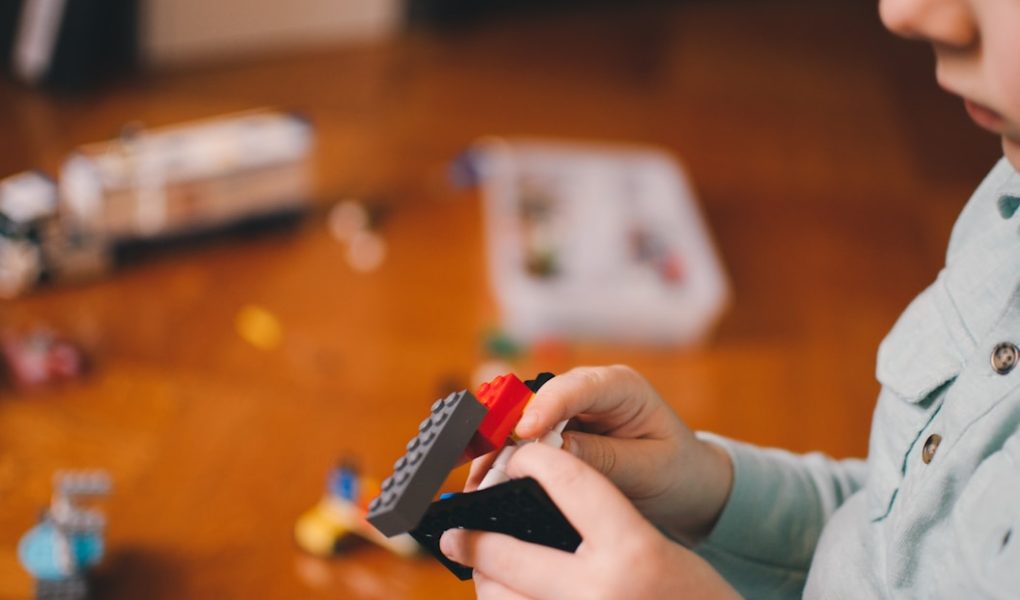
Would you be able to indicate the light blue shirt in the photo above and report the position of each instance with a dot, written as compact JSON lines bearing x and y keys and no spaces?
{"x":934,"y":512}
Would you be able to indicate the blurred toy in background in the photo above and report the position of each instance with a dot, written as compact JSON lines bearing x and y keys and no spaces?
{"x":28,"y":205}
{"x":40,"y":357}
{"x":537,"y":204}
{"x":68,"y":540}
{"x":594,"y":242}
{"x":119,"y":200}
{"x":356,"y":225}
{"x":653,"y":250}
{"x":148,"y":188}
{"x":259,"y":327}
{"x":326,"y":528}
{"x":499,"y":353}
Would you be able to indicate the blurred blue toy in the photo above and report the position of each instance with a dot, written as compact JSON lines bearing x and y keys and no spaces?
{"x":59,"y":551}
{"x":343,"y":481}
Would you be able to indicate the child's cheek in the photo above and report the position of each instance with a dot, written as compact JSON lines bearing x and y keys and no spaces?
{"x":1002,"y":68}
{"x":1002,"y":73}
{"x":1011,"y":148}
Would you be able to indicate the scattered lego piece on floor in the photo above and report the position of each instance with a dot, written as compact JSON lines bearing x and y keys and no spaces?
{"x":431,"y":455}
{"x":462,"y":171}
{"x":519,"y":507}
{"x":366,"y":251}
{"x":28,"y":203}
{"x":500,"y":345}
{"x":355,"y":225}
{"x":39,"y":358}
{"x":259,"y":327}
{"x":68,"y":541}
{"x":325,"y":529}
{"x":20,"y":266}
{"x":344,"y":481}
{"x":347,"y":218}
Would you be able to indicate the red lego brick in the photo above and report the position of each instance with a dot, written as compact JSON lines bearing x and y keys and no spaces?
{"x":39,"y":357}
{"x":505,"y":397}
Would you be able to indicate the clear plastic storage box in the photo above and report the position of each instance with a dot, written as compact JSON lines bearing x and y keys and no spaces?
{"x":596,"y":242}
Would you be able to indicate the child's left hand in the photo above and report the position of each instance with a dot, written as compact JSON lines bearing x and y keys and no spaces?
{"x":621,"y":556}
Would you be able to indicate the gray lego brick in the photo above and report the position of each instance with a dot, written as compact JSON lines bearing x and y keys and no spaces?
{"x":431,"y":455}
{"x":72,"y":588}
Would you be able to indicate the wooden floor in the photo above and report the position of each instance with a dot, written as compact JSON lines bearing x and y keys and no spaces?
{"x":828,"y":163}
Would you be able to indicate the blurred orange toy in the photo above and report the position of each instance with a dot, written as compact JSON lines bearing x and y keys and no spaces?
{"x":325,"y":529}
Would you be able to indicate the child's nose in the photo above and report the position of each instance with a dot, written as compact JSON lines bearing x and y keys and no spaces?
{"x":942,"y":22}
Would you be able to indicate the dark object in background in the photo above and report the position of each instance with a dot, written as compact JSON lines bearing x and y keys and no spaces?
{"x":461,"y":12}
{"x":9,"y":12}
{"x":68,"y":45}
{"x":456,"y":12}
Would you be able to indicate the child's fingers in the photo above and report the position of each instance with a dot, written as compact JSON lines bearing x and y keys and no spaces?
{"x":592,"y":504}
{"x":529,"y":569}
{"x":479,"y":467}
{"x":490,"y":589}
{"x":633,"y":465}
{"x":614,"y":393}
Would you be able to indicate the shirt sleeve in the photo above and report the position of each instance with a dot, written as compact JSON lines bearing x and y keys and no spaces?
{"x":778,"y":506}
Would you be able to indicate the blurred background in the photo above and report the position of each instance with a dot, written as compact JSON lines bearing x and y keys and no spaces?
{"x":215,"y":314}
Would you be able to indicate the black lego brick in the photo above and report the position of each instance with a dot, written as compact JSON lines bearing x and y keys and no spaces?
{"x":536,"y":384}
{"x":519,"y":507}
{"x":431,"y":455}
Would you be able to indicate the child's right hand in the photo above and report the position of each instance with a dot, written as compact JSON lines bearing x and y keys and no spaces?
{"x":627,"y":432}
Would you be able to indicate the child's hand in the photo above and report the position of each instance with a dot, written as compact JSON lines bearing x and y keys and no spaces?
{"x":631,"y":436}
{"x":621,"y":555}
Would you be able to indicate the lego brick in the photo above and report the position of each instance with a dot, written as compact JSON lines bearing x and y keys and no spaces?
{"x":541,"y":379}
{"x":519,"y":507}
{"x":431,"y":455}
{"x":505,"y":397}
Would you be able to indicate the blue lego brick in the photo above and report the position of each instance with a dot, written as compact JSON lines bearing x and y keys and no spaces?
{"x":519,"y":507}
{"x":431,"y":455}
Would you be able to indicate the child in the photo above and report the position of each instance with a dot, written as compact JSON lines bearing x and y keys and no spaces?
{"x":935,"y":510}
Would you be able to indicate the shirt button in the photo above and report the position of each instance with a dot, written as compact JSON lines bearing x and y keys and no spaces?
{"x":930,"y":446}
{"x":1004,"y":357}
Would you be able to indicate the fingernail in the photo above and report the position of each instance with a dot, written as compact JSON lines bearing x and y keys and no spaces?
{"x":447,"y":543}
{"x":570,"y":446}
{"x":526,"y":423}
